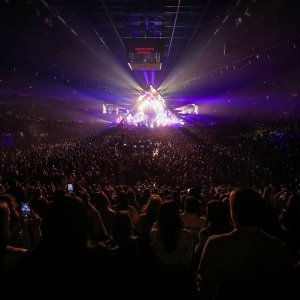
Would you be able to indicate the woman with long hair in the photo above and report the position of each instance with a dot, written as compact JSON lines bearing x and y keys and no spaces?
{"x":173,"y":244}
{"x":147,"y":219}
{"x":174,"y":248}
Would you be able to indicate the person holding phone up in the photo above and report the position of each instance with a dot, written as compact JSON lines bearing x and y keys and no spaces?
{"x":24,"y":223}
{"x":9,"y":255}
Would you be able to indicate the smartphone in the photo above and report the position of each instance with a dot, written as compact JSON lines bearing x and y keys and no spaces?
{"x":25,"y":209}
{"x":70,"y":187}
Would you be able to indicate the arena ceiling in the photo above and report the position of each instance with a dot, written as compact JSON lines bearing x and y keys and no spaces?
{"x":209,"y":46}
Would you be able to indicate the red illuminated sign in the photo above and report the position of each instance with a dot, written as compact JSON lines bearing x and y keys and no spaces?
{"x":144,"y":50}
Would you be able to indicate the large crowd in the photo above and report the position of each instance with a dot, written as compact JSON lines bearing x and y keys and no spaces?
{"x":202,"y":211}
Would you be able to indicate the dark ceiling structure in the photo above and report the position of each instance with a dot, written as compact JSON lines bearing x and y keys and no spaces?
{"x":207,"y":44}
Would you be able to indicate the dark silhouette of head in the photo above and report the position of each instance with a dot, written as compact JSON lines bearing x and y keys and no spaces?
{"x":122,"y":201}
{"x":169,"y":223}
{"x":66,"y":223}
{"x":121,"y":228}
{"x":192,"y":205}
{"x":101,"y":201}
{"x":153,"y":206}
{"x":246,"y":207}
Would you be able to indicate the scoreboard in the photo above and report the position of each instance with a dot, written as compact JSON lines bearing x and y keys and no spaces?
{"x":144,"y":54}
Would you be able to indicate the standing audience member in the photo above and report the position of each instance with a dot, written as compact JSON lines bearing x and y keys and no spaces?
{"x":245,"y":263}
{"x":123,"y":204}
{"x":147,"y":219}
{"x":174,"y":248}
{"x":217,"y":222}
{"x":64,"y":259}
{"x":9,"y":256}
{"x":191,"y":216}
{"x":103,"y":206}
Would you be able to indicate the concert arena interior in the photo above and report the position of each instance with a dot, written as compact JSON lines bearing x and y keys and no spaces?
{"x":150,"y":149}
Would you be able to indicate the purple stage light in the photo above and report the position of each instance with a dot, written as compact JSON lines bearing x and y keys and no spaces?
{"x":152,"y":77}
{"x":146,"y":77}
